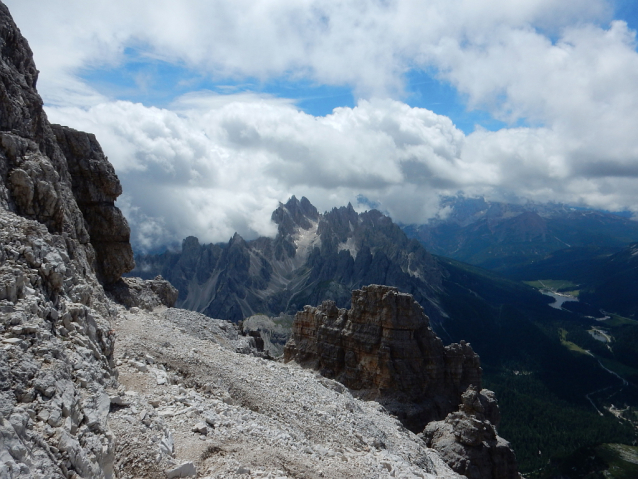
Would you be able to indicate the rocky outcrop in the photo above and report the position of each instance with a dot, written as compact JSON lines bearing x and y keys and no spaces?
{"x":467,"y":439}
{"x":60,"y":234}
{"x":52,"y":174}
{"x":136,"y":292}
{"x":384,"y":348}
{"x":96,"y":187}
{"x":56,"y":350}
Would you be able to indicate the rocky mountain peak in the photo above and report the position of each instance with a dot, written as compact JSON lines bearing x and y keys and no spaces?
{"x":295,"y":214}
{"x":21,"y":106}
{"x":468,"y":441}
{"x":190,"y":243}
{"x":314,"y":257}
{"x":383,"y":348}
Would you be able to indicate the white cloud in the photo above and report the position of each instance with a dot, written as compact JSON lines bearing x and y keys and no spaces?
{"x":562,"y":73}
{"x":365,"y":44}
{"x":222,"y":166}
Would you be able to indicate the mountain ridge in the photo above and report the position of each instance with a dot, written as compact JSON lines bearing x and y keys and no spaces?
{"x":313,"y":257}
{"x":504,"y":236}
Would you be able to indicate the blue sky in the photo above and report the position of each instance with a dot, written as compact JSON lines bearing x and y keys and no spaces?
{"x":142,"y":79}
{"x":212,"y":111}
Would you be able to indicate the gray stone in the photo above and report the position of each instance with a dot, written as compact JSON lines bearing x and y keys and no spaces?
{"x":468,"y":442}
{"x":211,"y":418}
{"x":139,"y":366}
{"x":96,"y":409}
{"x":119,"y":400}
{"x":201,"y":428}
{"x":186,"y":469}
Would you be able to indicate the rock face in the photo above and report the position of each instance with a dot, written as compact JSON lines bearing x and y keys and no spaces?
{"x":60,"y":233}
{"x":468,"y":442}
{"x":314,"y":257}
{"x":135,"y":292}
{"x":96,"y":187}
{"x":384,"y":348}
{"x":53,"y":174}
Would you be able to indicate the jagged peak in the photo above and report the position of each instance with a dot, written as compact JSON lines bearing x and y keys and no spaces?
{"x":190,"y":242}
{"x":309,"y":209}
{"x":295,"y":214}
{"x":236,"y":239}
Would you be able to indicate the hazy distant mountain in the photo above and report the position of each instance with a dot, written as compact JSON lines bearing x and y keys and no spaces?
{"x":500,"y":236}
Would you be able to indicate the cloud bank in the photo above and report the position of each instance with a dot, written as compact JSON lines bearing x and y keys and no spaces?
{"x":563,"y":75}
{"x":215,"y":165}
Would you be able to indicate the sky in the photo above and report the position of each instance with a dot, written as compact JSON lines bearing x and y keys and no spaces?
{"x":213,"y":112}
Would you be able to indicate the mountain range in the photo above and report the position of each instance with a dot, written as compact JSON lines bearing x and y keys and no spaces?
{"x":501,"y":236}
{"x":314,"y":257}
{"x":101,"y":377}
{"x":317,"y":257}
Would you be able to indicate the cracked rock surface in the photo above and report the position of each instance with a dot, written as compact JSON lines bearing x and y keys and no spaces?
{"x":56,"y":350}
{"x":56,"y":343}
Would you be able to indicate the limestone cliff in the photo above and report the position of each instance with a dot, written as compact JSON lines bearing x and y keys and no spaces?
{"x":60,"y":235}
{"x":95,"y":187}
{"x":53,"y":174}
{"x":384,"y":349}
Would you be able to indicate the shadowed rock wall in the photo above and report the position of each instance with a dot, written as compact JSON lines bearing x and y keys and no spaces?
{"x":53,"y":174}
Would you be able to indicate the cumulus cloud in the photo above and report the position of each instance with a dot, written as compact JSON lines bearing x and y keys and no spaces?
{"x":222,"y":165}
{"x":561,"y":74}
{"x":368,"y":45}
